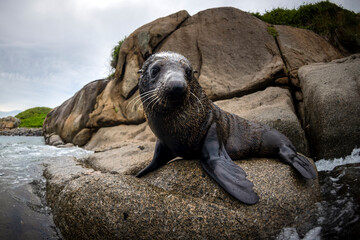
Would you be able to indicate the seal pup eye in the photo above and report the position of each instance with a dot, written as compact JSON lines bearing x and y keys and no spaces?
{"x":154,"y":71}
{"x":188,"y":73}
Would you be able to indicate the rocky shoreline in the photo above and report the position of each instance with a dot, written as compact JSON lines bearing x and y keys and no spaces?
{"x":22,"y":132}
{"x":262,"y":78}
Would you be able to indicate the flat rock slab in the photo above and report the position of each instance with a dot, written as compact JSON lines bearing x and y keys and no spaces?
{"x":118,"y":136}
{"x":331,"y":94}
{"x":178,"y":201}
{"x":273,"y":107}
{"x":130,"y":158}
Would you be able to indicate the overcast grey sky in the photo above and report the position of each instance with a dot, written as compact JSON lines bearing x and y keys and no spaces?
{"x":49,"y":49}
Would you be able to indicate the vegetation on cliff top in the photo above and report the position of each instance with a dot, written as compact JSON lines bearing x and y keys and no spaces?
{"x":33,"y":117}
{"x":115,"y":54}
{"x":339,"y":26}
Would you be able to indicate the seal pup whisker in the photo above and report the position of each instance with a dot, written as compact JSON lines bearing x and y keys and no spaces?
{"x":153,"y":102}
{"x":198,"y":101}
{"x":138,"y":98}
{"x":148,"y":98}
{"x":157,"y":101}
{"x":148,"y":95}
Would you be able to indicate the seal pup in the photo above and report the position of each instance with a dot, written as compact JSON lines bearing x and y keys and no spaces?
{"x":187,"y":124}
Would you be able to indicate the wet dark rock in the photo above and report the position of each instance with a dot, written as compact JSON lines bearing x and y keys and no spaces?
{"x":22,"y":132}
{"x":340,"y":209}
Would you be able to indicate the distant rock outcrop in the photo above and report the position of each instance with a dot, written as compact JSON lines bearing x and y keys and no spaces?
{"x":9,"y":122}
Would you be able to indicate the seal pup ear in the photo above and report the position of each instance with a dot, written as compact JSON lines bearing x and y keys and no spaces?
{"x":218,"y":164}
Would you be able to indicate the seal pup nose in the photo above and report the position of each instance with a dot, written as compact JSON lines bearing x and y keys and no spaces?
{"x":176,"y":87}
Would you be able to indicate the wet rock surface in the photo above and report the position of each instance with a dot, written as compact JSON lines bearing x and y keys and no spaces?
{"x":22,"y":132}
{"x":340,"y":209}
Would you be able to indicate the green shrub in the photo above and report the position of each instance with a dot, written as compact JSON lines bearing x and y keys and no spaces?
{"x":272,"y":31}
{"x":340,"y":26}
{"x":33,"y":117}
{"x":115,"y":54}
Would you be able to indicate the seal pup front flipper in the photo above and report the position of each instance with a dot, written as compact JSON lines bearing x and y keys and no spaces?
{"x":162,"y":155}
{"x":217,"y":163}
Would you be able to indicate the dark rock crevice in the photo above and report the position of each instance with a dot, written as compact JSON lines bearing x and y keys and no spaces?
{"x":290,"y":86}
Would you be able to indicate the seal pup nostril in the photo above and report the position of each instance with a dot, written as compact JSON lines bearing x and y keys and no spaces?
{"x":176,"y":87}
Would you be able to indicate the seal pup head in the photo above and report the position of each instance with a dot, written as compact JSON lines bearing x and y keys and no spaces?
{"x":164,"y":81}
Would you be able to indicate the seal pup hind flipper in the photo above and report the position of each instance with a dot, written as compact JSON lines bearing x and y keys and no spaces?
{"x":287,"y":154}
{"x":217,"y":163}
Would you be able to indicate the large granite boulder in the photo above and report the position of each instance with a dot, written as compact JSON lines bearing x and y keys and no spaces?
{"x":273,"y":107}
{"x":231,"y":49}
{"x":332,"y":106}
{"x":71,"y":117}
{"x":178,"y":201}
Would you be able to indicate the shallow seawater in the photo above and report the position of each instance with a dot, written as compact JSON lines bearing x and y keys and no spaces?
{"x":338,"y":214}
{"x":23,"y":210}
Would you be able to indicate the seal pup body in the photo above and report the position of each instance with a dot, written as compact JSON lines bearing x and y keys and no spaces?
{"x":189,"y":125}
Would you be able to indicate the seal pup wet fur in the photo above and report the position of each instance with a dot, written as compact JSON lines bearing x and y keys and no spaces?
{"x":187,"y":124}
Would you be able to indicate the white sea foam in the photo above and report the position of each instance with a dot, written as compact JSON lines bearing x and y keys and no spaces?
{"x":329,"y":165}
{"x":337,"y":212}
{"x":22,"y":155}
{"x":291,"y":234}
